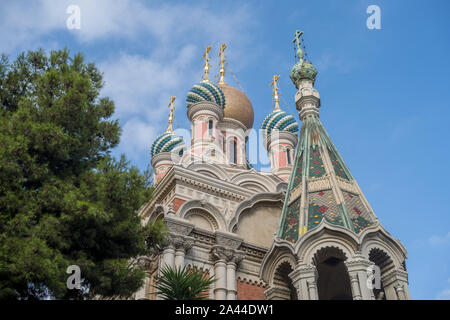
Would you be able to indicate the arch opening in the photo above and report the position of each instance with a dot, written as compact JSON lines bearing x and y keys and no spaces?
{"x":281,"y":280}
{"x":385,"y":263}
{"x":333,"y":282}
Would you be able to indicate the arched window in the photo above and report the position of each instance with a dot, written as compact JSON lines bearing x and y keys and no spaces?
{"x":210,"y":127}
{"x":224,"y":144}
{"x":233,"y":150}
{"x":288,"y":156}
{"x":180,"y":153}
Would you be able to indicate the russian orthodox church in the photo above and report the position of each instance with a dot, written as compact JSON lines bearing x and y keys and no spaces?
{"x":303,"y":231}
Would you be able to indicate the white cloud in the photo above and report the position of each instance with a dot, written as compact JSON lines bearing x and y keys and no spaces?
{"x":137,"y":138}
{"x":437,"y":240}
{"x":169,"y":38}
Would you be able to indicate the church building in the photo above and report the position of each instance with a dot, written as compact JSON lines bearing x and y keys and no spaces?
{"x":302,"y":231}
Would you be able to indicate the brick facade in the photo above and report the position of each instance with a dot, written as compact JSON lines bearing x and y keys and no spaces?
{"x":177,"y":203}
{"x":250,"y":291}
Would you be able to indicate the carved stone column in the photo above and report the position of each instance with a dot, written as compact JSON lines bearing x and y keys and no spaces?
{"x":304,"y":279}
{"x":182,"y":245}
{"x":395,"y":284}
{"x":226,"y":256}
{"x":357,"y":268}
{"x":219,"y":256}
{"x":174,"y":252}
{"x":233,"y":261}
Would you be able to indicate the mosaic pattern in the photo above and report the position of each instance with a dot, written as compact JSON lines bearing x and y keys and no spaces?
{"x":316,"y":169}
{"x":298,"y":173}
{"x":338,"y":169}
{"x":205,"y":91}
{"x":279,"y":120}
{"x":165,"y":143}
{"x":323,"y":205}
{"x":359,"y":215}
{"x":291,"y":221}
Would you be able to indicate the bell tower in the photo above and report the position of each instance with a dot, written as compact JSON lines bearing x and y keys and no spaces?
{"x":329,"y":244}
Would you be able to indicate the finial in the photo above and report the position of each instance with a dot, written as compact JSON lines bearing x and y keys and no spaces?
{"x":297,"y":41}
{"x":171,"y":108}
{"x":275,"y":92}
{"x":222,"y":62}
{"x":206,"y":65}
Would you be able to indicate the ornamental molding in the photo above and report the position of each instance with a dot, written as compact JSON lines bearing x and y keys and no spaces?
{"x":180,"y":242}
{"x":179,"y":175}
{"x":394,"y":275}
{"x":226,"y":254}
{"x":164,"y":158}
{"x":228,"y":239}
{"x":202,"y":106}
{"x":295,"y":193}
{"x":319,"y":184}
{"x":273,"y":197}
{"x":204,"y":209}
{"x":230,"y":123}
{"x":277,"y":136}
{"x":346,"y":185}
{"x":178,"y":226}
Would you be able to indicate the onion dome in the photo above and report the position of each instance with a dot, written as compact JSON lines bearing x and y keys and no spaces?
{"x":205,"y":91}
{"x":279,"y":120}
{"x":166,"y":142}
{"x":238,"y":105}
{"x":303,"y":70}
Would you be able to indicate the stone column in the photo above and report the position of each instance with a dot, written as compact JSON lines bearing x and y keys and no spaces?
{"x":304,"y":279}
{"x":220,"y":272}
{"x":168,"y":257}
{"x":395,"y":284}
{"x":357,"y":268}
{"x":182,"y":245}
{"x":233,"y":261}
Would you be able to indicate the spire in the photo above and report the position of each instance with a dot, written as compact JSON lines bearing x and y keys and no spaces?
{"x":222,"y":63}
{"x":297,"y":41}
{"x":171,"y":109}
{"x":206,"y":65}
{"x":321,"y":187}
{"x":275,"y":92}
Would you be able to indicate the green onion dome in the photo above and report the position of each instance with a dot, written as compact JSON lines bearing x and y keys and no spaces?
{"x":305,"y":70}
{"x":205,"y":91}
{"x":279,"y":120}
{"x":166,"y":142}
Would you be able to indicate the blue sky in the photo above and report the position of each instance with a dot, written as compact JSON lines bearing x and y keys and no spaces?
{"x":385,"y":93}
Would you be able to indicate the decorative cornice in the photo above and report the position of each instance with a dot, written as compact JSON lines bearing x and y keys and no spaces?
{"x":178,"y":226}
{"x":319,"y":184}
{"x":278,"y":136}
{"x":204,"y":105}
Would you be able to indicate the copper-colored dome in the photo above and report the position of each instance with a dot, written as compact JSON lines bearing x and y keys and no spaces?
{"x":237,"y":105}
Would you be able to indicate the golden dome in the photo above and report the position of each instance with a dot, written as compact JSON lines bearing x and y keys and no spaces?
{"x":237,"y":105}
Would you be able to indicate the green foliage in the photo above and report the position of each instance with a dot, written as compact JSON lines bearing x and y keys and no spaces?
{"x":63,"y":200}
{"x":183,"y":284}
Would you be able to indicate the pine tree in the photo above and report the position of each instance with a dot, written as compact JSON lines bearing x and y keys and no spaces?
{"x":63,"y":199}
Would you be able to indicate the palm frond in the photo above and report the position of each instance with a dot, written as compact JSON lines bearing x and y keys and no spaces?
{"x":183,"y":283}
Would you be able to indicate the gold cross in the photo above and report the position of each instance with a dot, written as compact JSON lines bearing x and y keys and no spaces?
{"x":171,"y":116}
{"x":222,"y":62}
{"x":275,"y":92}
{"x":206,"y":65}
